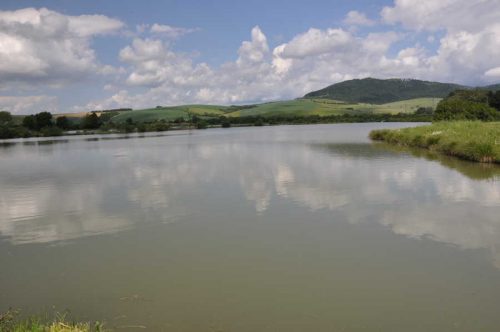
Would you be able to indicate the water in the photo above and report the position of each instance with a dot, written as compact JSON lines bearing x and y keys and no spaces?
{"x":290,"y":228}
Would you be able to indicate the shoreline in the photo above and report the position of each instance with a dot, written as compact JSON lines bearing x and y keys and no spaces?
{"x":72,"y":133}
{"x":468,"y":140}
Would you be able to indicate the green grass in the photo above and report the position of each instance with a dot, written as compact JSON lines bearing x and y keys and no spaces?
{"x":169,"y":113}
{"x":9,"y":322}
{"x":470,"y":140}
{"x":152,"y":114}
{"x":406,"y":106}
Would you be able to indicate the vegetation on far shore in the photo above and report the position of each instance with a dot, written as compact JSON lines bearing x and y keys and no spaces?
{"x":45,"y":124}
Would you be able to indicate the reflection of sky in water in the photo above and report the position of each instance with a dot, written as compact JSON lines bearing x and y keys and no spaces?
{"x":79,"y":188}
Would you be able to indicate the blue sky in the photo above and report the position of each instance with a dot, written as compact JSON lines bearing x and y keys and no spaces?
{"x":223,"y":24}
{"x":81,"y":55}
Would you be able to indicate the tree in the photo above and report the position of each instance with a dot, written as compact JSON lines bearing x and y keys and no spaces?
{"x":5,"y":117}
{"x":63,"y":122}
{"x":201,"y":124}
{"x":91,"y":121}
{"x":457,"y":109}
{"x":6,"y":132}
{"x":494,"y":99}
{"x":44,"y":119}
{"x":30,"y":122}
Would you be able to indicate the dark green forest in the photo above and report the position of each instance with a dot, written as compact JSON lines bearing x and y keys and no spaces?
{"x":377,"y":91}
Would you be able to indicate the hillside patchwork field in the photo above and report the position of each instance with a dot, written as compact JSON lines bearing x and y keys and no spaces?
{"x":298,"y":107}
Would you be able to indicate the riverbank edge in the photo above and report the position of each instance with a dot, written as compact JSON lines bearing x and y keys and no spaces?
{"x":468,"y":140}
{"x":10,"y":322}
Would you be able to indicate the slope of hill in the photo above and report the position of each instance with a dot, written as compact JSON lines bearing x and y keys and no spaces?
{"x":352,"y":97}
{"x":377,"y":91}
{"x":170,"y":113}
{"x":493,"y":87}
{"x":297,"y":107}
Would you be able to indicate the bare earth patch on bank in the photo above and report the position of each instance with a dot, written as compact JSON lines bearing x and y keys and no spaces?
{"x":470,"y":140}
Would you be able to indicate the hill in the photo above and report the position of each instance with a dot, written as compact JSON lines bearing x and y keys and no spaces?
{"x":493,"y":87}
{"x":297,"y":107}
{"x":377,"y":91}
{"x":354,"y":97}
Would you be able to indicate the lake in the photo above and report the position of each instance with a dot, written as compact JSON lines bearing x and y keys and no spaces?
{"x":287,"y":228}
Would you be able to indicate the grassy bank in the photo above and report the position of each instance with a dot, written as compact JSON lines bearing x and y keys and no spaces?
{"x":470,"y":140}
{"x":10,"y":322}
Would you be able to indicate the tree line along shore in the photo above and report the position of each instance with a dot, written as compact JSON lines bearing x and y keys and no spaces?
{"x":45,"y":124}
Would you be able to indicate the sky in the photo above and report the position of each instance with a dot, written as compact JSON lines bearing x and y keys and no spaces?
{"x":83,"y":55}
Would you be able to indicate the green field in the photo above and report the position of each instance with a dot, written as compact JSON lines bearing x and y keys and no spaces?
{"x":470,"y":140}
{"x":298,"y":107}
{"x":169,"y":113}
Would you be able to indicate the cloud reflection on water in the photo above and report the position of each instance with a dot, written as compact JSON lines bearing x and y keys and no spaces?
{"x":63,"y":194}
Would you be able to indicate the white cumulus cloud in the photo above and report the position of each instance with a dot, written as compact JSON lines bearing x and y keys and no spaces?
{"x":28,"y":104}
{"x":40,"y":45}
{"x":357,"y":18}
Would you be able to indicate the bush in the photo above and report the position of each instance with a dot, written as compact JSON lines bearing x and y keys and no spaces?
{"x":201,"y":124}
{"x":160,"y":126}
{"x":91,"y":121}
{"x":63,"y":122}
{"x":466,"y":105}
{"x":51,"y":131}
{"x":6,"y":132}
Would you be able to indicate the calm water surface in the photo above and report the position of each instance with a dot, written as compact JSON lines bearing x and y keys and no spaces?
{"x":290,"y":228}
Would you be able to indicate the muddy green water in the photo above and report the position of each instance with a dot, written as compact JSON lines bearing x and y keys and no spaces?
{"x":290,"y":228}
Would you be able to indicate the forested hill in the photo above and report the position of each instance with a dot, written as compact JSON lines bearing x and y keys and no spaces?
{"x":494,"y":87}
{"x":377,"y":91}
